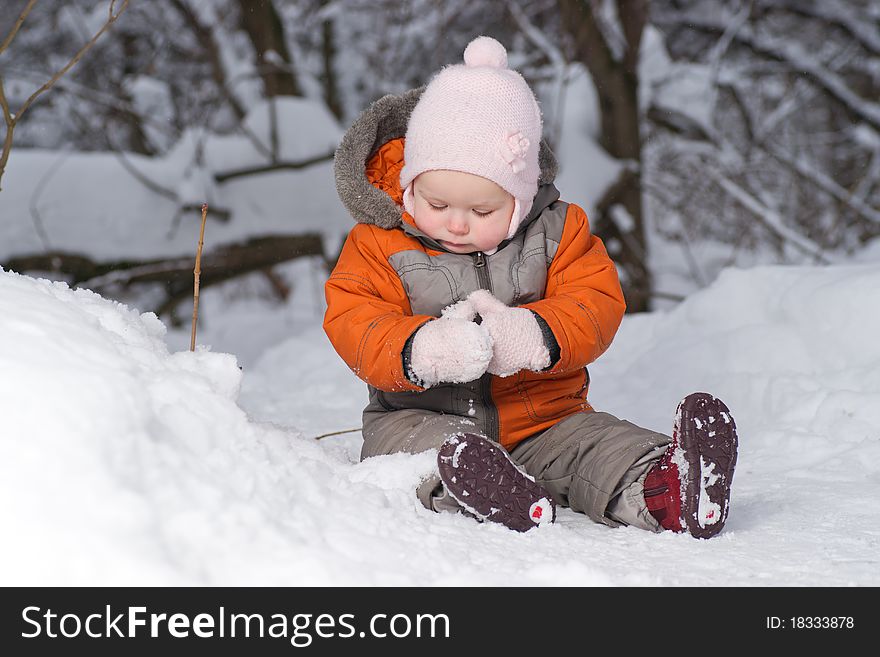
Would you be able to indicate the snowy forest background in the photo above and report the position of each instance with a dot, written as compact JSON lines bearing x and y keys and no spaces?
{"x":698,"y":134}
{"x":728,"y":152}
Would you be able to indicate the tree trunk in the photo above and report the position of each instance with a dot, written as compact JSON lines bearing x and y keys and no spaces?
{"x":329,"y":79}
{"x":264,"y":28}
{"x":620,"y":220}
{"x":175,"y":275}
{"x":205,"y":36}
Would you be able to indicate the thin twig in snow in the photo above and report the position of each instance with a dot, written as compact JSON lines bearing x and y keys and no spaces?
{"x":196,"y":273}
{"x":337,"y":433}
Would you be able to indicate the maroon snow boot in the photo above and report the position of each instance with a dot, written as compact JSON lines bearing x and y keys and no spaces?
{"x":480,"y":475}
{"x":689,"y":488}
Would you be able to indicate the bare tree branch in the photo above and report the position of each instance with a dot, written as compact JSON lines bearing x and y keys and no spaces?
{"x":796,"y":59}
{"x":10,"y":119}
{"x":557,"y":58}
{"x":142,"y":178}
{"x":768,"y":217}
{"x":219,"y":213}
{"x":39,"y":225}
{"x":105,"y":99}
{"x":837,"y":14}
{"x":223,"y":176}
{"x":799,"y":167}
{"x":720,"y":49}
{"x":18,"y":23}
{"x":686,"y":127}
{"x":111,"y":19}
{"x":826,"y":184}
{"x":205,"y":37}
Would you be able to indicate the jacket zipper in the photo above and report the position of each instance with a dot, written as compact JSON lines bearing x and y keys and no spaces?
{"x":486,"y":380}
{"x":482,"y":271}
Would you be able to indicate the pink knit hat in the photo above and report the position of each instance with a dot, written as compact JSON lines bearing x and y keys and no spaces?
{"x":479,"y":117}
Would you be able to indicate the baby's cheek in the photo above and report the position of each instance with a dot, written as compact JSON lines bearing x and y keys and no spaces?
{"x":426,"y":224}
{"x":496,"y":233}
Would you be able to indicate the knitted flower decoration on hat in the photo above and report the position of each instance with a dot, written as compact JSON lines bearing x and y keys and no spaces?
{"x":479,"y":117}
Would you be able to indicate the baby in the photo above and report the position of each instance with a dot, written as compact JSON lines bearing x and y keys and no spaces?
{"x":471,"y":299}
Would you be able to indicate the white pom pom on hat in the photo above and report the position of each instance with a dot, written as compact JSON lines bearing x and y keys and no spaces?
{"x":485,"y":51}
{"x":479,"y":117}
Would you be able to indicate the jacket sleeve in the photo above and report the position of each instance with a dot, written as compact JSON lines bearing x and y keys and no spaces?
{"x":368,"y":318}
{"x":583,"y":304}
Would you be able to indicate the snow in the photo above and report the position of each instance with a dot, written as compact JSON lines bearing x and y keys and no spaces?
{"x":685,"y":88}
{"x":92,"y":204}
{"x":708,"y":512}
{"x":152,"y":97}
{"x":130,"y":461}
{"x":457,"y":453}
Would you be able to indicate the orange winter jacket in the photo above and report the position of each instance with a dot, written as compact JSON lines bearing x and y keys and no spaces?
{"x":389,"y":281}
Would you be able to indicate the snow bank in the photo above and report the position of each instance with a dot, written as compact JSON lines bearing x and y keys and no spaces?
{"x":794,"y":352}
{"x":796,"y":346}
{"x":124,"y":464}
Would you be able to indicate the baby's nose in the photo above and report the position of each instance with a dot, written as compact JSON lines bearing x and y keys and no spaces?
{"x":457,"y":225}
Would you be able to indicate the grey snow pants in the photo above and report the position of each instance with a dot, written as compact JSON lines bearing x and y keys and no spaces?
{"x":593,"y":462}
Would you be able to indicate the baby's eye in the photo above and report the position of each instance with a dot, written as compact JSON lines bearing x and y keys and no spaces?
{"x":483,"y":214}
{"x":437,"y":207}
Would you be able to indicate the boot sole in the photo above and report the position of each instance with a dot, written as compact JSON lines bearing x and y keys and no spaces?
{"x":480,"y":475}
{"x":706,"y":459}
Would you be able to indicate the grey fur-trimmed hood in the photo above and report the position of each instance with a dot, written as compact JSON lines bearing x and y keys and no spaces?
{"x":384,"y":120}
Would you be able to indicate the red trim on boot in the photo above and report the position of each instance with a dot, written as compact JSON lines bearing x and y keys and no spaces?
{"x":663,"y":493}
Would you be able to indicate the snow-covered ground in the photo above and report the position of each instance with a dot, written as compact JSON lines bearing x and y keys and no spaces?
{"x":128,"y":460}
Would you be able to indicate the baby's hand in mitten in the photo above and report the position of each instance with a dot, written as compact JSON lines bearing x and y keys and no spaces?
{"x":451,"y":349}
{"x":517,"y":340}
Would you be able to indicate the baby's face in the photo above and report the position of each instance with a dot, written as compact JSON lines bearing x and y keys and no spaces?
{"x":464,"y":212}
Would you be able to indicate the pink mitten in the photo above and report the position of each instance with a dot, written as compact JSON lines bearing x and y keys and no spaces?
{"x":517,"y":340}
{"x":451,"y":349}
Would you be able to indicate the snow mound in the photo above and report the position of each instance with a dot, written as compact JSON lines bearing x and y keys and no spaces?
{"x":796,"y":348}
{"x":123,"y":462}
{"x":794,"y":353}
